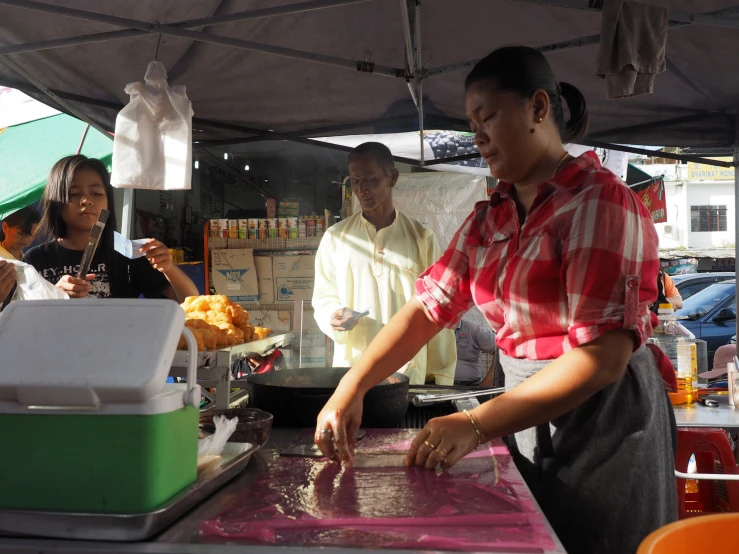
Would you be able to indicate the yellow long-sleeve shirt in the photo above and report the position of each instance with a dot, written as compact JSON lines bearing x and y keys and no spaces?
{"x":360,"y":268}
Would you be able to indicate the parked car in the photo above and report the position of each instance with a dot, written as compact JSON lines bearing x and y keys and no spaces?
{"x":711,"y":315}
{"x":688,"y":285}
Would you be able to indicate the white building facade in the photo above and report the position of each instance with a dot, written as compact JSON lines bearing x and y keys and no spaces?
{"x":700,"y":206}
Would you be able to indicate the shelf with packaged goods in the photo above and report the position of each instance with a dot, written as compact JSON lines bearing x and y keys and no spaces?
{"x":274,"y":245}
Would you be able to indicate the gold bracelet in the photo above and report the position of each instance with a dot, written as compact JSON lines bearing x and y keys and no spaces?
{"x":476,"y":427}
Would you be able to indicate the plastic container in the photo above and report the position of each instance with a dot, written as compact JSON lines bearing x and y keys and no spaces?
{"x":714,"y":534}
{"x":88,"y":423}
{"x":671,"y":337}
{"x":254,"y":425}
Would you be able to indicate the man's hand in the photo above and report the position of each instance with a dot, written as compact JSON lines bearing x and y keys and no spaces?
{"x":342,"y":320}
{"x":7,"y":279}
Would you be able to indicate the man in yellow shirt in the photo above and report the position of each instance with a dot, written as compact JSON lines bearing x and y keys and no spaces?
{"x":370,"y":263}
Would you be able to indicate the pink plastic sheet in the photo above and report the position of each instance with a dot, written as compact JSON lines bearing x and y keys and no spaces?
{"x":480,"y":504}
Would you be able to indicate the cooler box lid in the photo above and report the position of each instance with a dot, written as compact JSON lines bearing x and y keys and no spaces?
{"x":81,"y":353}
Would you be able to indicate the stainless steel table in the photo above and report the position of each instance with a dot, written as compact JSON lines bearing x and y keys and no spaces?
{"x":183,"y":535}
{"x":698,"y":415}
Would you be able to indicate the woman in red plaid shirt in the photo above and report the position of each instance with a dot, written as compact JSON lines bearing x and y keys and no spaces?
{"x":562,"y":261}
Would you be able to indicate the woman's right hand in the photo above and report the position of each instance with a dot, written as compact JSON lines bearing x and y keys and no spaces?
{"x":338,"y":424}
{"x":76,"y":288}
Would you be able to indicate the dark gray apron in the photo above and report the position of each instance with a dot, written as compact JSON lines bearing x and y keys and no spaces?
{"x":603,"y":473}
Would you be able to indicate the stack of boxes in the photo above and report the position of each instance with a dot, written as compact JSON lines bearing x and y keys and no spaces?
{"x":280,"y":277}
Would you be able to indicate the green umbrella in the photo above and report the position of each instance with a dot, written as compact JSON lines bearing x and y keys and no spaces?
{"x":28,"y":151}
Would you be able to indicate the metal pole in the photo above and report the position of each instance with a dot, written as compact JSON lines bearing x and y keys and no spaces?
{"x":736,"y":212}
{"x":409,"y":54}
{"x":419,"y":76}
{"x":188,"y":24}
{"x":353,"y":65}
{"x":127,"y":214}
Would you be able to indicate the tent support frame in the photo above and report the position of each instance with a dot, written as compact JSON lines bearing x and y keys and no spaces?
{"x":188,"y":24}
{"x":720,"y":18}
{"x":353,"y":65}
{"x":736,"y":212}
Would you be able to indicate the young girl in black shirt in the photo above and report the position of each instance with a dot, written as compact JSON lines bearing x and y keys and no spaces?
{"x":77,"y":189}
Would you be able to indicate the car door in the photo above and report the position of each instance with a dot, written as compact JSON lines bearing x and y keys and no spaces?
{"x":715,"y":331}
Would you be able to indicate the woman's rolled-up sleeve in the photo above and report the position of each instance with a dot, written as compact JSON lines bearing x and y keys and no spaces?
{"x":444,"y":288}
{"x":610,"y":263}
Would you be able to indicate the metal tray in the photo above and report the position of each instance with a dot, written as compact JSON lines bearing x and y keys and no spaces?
{"x":128,"y":527}
{"x":223,"y":356}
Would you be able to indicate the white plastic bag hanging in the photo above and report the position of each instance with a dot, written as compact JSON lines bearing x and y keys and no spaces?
{"x":32,"y":286}
{"x":152,"y":148}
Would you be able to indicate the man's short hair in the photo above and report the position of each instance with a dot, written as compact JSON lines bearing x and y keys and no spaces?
{"x":378,"y":151}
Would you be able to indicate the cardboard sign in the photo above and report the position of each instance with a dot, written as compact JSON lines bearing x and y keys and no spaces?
{"x":235,"y":275}
{"x":294,"y":288}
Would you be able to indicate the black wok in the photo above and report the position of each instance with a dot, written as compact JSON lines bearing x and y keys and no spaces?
{"x":296,"y":396}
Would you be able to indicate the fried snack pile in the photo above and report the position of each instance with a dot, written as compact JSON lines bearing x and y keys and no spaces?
{"x":216,"y":322}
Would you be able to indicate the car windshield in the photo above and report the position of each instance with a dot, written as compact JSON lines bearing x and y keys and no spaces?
{"x":706,"y":300}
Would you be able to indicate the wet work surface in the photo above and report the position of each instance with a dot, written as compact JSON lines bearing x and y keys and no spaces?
{"x":481,"y":504}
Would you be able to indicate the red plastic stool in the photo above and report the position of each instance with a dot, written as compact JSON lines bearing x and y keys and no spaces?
{"x":709,"y":446}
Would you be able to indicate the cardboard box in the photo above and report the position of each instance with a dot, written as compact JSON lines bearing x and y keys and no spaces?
{"x":313,"y":338}
{"x":293,"y":288}
{"x":234,"y":274}
{"x":277,"y":321}
{"x":265,"y":281}
{"x":294,"y":277}
{"x":314,"y":357}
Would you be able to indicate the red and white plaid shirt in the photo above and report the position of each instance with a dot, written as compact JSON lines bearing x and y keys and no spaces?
{"x":584,"y":262}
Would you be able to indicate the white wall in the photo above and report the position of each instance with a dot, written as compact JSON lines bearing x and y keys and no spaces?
{"x":719,"y":193}
{"x":674,"y":233}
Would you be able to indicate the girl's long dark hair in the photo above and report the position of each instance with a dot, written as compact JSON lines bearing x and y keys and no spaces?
{"x":56,"y":197}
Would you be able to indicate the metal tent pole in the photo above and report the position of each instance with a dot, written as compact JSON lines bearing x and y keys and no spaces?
{"x":736,"y":213}
{"x":189,"y":24}
{"x":353,"y":65}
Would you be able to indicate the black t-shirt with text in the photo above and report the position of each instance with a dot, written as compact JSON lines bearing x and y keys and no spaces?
{"x":133,"y":277}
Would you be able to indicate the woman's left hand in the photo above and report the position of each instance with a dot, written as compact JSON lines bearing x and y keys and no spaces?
{"x":158,"y":255}
{"x":444,"y":441}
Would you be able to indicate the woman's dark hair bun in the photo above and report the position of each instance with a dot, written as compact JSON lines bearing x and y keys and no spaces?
{"x":576,"y":127}
{"x":524,"y":70}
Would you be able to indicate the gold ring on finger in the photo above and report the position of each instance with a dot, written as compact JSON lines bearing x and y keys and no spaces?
{"x":431,"y":446}
{"x":441,"y":453}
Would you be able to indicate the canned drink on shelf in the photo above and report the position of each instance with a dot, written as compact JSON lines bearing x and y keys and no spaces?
{"x":282,"y":227}
{"x":310,"y":227}
{"x":215,"y":228}
{"x":233,"y":228}
{"x":301,"y":229}
{"x":253,"y":228}
{"x":223,"y":227}
{"x":319,"y":227}
{"x":292,"y":227}
{"x":263,"y":229}
{"x":274,"y":228}
{"x":243,"y":228}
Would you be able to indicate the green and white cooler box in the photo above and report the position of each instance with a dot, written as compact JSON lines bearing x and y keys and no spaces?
{"x":89,"y":424}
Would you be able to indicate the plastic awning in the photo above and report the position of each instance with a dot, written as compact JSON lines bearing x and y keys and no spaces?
{"x":28,"y":151}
